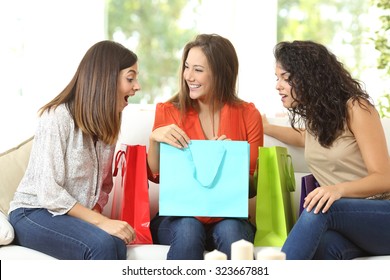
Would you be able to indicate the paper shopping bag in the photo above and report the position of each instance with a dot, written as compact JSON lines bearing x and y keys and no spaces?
{"x":308,"y":183}
{"x":209,"y":178}
{"x":131,"y":192}
{"x":275,"y":215}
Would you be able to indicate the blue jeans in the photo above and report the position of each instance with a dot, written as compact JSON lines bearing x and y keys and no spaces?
{"x":189,"y":238}
{"x":64,"y":237}
{"x":351,"y":228}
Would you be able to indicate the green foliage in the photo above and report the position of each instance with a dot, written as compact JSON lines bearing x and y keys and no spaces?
{"x":152,"y":28}
{"x":382,"y":41}
{"x":384,"y":105}
{"x":382,"y":44}
{"x":331,"y":22}
{"x":320,"y":21}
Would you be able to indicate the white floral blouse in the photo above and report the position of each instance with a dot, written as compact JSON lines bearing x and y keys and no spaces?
{"x":65,"y":167}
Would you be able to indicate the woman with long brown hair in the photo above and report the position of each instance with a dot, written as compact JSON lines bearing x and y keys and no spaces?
{"x":206,"y":107}
{"x":57,"y":206}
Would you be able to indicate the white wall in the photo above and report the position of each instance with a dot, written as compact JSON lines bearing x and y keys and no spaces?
{"x":42,"y":44}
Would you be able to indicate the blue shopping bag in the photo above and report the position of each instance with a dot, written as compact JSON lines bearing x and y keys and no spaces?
{"x":210,"y":178}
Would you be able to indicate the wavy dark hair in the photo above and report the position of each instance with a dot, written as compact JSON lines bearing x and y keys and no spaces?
{"x":91,"y":94}
{"x":322,"y":89}
{"x":223,"y":61}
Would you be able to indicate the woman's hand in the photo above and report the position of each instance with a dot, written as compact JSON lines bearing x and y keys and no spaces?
{"x":222,"y":137}
{"x":120,"y":229}
{"x":265,"y":123}
{"x":264,"y":119}
{"x":321,"y":198}
{"x":172,"y":135}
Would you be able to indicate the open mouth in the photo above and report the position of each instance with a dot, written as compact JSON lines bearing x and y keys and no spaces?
{"x":127,"y":97}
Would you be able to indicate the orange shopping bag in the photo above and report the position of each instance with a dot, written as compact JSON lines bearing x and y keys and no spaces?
{"x":131,"y":191}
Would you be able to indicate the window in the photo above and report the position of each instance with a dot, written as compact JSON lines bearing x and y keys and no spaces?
{"x":46,"y":40}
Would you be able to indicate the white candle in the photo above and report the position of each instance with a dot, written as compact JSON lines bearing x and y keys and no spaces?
{"x":270,"y":254}
{"x":215,"y":255}
{"x":242,"y":250}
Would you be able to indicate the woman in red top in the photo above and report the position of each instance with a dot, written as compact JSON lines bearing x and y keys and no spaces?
{"x":206,"y":107}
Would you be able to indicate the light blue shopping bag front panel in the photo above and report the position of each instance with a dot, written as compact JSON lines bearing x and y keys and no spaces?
{"x":209,"y":178}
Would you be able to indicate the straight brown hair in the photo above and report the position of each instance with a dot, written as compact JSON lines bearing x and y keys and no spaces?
{"x":91,"y":94}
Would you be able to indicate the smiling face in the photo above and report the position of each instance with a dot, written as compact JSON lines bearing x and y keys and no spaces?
{"x":283,"y":86}
{"x":128,"y":85}
{"x":197,"y":74}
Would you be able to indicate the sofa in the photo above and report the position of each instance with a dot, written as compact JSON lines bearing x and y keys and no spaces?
{"x":137,"y":123}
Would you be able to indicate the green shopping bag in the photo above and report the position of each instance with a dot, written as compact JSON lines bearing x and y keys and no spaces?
{"x":275,"y":215}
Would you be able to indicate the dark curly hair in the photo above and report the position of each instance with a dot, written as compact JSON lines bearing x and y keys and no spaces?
{"x":322,"y":88}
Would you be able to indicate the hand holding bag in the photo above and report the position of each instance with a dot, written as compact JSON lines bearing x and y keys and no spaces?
{"x":275,"y":215}
{"x":131,"y":192}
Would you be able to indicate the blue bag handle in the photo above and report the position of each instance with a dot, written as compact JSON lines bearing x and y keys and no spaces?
{"x":206,"y":166}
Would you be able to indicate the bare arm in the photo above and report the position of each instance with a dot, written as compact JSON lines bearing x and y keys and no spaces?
{"x":285,"y":134}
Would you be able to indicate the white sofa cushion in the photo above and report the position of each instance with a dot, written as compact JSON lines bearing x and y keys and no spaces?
{"x":6,"y":230}
{"x":15,"y":252}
